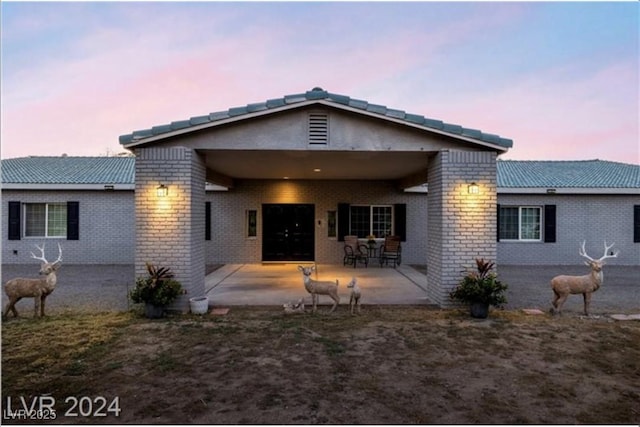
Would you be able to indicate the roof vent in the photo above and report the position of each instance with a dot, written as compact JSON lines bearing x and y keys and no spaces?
{"x":318,"y":128}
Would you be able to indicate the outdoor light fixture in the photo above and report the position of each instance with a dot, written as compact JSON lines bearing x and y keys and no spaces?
{"x":473,"y":188}
{"x":162,"y":190}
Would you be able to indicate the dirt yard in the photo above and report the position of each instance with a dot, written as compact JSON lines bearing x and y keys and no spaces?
{"x":390,"y":365}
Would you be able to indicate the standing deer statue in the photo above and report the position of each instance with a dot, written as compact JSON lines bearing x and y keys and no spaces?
{"x":38,"y":289}
{"x":354,"y":297}
{"x":586,"y":285}
{"x":316,"y":287}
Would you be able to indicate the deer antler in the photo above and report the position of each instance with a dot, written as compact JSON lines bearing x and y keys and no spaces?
{"x":41,"y":258}
{"x":606,"y":249}
{"x":59,"y":254}
{"x":583,"y":252}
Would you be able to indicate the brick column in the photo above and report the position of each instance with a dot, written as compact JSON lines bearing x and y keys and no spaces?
{"x":170,"y":229}
{"x":460,"y":226}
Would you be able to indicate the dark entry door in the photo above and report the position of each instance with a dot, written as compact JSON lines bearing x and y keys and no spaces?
{"x":288,"y":232}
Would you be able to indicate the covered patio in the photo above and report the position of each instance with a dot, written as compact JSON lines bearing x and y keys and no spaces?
{"x":276,"y":284}
{"x":264,"y":153}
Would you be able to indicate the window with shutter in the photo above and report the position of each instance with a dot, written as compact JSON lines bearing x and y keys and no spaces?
{"x":519,"y":223}
{"x":48,"y":220}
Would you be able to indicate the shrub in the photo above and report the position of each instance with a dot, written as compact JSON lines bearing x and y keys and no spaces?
{"x":480,"y":286}
{"x":158,"y":288}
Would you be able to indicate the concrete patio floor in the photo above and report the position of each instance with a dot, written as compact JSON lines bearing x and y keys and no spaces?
{"x":276,"y":284}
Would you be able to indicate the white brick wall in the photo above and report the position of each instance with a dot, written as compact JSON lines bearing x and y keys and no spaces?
{"x":106,"y":228}
{"x":593,"y":218}
{"x":461,"y":226}
{"x":170,"y":230}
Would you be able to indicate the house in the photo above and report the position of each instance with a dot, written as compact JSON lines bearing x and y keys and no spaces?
{"x":286,"y":179}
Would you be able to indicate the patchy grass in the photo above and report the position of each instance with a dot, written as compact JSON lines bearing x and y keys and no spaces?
{"x":391,"y":365}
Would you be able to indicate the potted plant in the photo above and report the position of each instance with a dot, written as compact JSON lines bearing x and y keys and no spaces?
{"x":480,"y":289}
{"x":156,"y":291}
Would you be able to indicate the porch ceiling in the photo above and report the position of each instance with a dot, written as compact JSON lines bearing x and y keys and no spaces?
{"x":224,"y":165}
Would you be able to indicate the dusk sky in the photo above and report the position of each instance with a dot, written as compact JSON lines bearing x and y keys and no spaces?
{"x":560,"y":79}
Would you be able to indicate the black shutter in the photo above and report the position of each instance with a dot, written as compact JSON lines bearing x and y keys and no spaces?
{"x":73,"y":220}
{"x":207,"y":221}
{"x":400,"y":220}
{"x":550,"y":223}
{"x":498,"y":223}
{"x":636,"y":224}
{"x":343,"y":221}
{"x":14,"y":220}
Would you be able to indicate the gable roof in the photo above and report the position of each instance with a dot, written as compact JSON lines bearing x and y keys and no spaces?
{"x":65,"y":171}
{"x":513,"y":176}
{"x":573,"y":174}
{"x":320,"y":96}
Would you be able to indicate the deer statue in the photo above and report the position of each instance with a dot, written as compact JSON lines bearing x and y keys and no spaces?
{"x":38,"y":289}
{"x":316,"y":288}
{"x":354,"y":297}
{"x":586,"y":285}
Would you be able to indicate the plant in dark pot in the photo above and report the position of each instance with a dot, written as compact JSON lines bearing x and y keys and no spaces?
{"x":156,"y":291}
{"x":480,"y":289}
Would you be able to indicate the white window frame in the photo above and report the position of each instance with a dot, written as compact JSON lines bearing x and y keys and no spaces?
{"x":46,"y":221}
{"x":520,"y":210}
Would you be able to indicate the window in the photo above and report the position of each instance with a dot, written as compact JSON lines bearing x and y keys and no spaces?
{"x":252,"y":223}
{"x":331,"y":224}
{"x":520,"y":223}
{"x":367,"y":220}
{"x":381,"y":221}
{"x":45,"y":220}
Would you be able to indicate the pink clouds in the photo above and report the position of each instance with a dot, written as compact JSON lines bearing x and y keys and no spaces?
{"x":559,"y":115}
{"x":143,"y":69}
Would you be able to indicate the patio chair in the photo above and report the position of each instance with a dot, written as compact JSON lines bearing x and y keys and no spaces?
{"x":391,"y":250}
{"x":354,"y":252}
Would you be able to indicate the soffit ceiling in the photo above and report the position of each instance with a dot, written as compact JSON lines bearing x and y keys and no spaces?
{"x":332,"y":165}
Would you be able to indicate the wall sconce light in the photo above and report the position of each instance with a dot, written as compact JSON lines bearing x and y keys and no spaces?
{"x":162,"y":190}
{"x":473,"y":188}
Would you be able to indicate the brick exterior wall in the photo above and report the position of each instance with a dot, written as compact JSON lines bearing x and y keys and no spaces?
{"x":229,"y":243}
{"x":170,"y":230}
{"x":107,"y":227}
{"x":107,"y":223}
{"x":593,"y":218}
{"x":460,"y":226}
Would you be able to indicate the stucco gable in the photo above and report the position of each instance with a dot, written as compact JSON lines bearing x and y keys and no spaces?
{"x":320,"y":97}
{"x":339,"y":130}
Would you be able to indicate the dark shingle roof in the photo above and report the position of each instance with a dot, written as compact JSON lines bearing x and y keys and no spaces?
{"x":69,"y":170}
{"x":567,"y":174}
{"x":318,"y":94}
